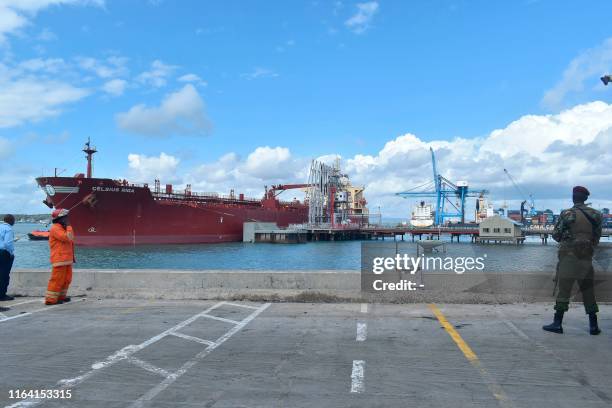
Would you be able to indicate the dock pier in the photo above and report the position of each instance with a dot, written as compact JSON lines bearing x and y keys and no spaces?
{"x":270,"y":233}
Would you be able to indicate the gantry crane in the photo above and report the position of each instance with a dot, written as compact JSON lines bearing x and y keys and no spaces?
{"x":444,"y":191}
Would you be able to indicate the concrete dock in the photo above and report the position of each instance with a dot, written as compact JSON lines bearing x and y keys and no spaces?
{"x":194,"y":353}
{"x":301,"y":286}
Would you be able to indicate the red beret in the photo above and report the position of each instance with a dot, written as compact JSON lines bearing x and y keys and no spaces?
{"x":581,"y":190}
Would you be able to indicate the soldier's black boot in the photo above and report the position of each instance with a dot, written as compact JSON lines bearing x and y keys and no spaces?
{"x":555,"y":326}
{"x":593,"y":326}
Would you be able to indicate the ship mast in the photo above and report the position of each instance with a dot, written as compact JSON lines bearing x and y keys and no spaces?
{"x":90,"y":152}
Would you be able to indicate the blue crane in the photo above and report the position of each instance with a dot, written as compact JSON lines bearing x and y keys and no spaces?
{"x":443,"y":193}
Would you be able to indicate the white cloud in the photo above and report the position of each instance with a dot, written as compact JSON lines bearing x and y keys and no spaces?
{"x":158,"y":75}
{"x":546,"y":155}
{"x":16,"y":14}
{"x":263,"y":166}
{"x":362,"y":19}
{"x":258,"y":73}
{"x":180,"y":113}
{"x":148,"y":168}
{"x":586,"y":68}
{"x":115,"y":87}
{"x":268,"y":162}
{"x":19,"y":192}
{"x":192,"y":78}
{"x":111,"y":67}
{"x":48,"y":65}
{"x":32,"y":99}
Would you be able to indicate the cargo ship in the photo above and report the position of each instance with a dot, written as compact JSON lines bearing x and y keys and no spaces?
{"x":116,"y":212}
{"x":422,"y":215}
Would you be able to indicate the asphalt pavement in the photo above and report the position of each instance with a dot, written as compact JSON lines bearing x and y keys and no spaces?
{"x":159,"y":353}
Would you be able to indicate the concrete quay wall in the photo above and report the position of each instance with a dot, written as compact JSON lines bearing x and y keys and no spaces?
{"x":307,"y":286}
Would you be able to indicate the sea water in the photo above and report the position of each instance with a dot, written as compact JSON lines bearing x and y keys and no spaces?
{"x":338,"y":255}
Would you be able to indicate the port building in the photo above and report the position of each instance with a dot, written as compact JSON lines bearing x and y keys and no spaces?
{"x":498,"y":229}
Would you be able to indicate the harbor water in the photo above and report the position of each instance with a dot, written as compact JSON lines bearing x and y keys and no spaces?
{"x":340,"y":255}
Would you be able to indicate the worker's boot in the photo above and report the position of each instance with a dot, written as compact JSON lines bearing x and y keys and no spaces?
{"x":555,"y":326}
{"x":593,"y":326}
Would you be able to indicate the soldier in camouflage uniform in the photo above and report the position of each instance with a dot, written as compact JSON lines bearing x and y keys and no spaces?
{"x":578,"y":231}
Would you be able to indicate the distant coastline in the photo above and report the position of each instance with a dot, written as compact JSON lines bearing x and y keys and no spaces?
{"x":31,"y":218}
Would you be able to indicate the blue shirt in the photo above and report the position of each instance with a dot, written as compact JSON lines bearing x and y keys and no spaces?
{"x":7,"y":237}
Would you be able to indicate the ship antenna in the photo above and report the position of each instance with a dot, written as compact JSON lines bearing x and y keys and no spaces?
{"x":90,"y":152}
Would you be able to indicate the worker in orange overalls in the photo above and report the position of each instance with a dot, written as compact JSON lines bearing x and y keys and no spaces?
{"x":61,"y":244}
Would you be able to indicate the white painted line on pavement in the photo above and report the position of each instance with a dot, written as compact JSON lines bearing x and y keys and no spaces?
{"x":364,"y":308}
{"x":357,"y":374}
{"x":41,"y":300}
{"x":238,"y":305}
{"x":192,"y":338}
{"x":119,"y":355}
{"x":148,"y":367}
{"x":221,"y":319}
{"x":189,"y":364}
{"x":362,"y":331}
{"x":42,"y":309}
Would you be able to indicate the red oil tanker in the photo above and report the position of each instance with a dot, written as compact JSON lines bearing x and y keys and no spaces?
{"x":115,"y":212}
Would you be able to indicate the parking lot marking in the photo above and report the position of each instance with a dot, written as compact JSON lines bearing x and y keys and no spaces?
{"x":148,"y":367}
{"x":31,"y":312}
{"x":362,"y":331}
{"x":357,"y":385}
{"x":27,"y":301}
{"x":153,"y":392}
{"x":364,"y":308}
{"x":469,"y":354}
{"x":239,"y":305}
{"x":221,"y":319}
{"x":119,"y":355}
{"x":192,"y":338}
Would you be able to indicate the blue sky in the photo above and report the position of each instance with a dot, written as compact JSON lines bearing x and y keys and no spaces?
{"x":297,"y":80}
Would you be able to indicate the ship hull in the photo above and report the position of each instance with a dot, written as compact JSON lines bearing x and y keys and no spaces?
{"x":104,"y":212}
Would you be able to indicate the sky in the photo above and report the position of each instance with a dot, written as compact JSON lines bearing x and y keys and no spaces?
{"x":241,"y":94}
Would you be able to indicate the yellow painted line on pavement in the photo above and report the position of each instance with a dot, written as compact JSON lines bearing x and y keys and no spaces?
{"x":469,"y":354}
{"x":463,"y":346}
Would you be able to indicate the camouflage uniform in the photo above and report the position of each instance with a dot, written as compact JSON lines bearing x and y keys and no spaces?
{"x":577,"y":237}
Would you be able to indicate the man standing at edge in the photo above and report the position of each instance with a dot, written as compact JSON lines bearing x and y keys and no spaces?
{"x":7,"y":254}
{"x":578,"y":231}
{"x":61,"y":244}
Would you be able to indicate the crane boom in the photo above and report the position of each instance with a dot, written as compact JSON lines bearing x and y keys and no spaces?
{"x":526,"y":197}
{"x":433,"y":165}
{"x":279,"y":188}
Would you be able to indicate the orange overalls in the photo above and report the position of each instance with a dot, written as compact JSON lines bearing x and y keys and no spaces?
{"x":61,"y":244}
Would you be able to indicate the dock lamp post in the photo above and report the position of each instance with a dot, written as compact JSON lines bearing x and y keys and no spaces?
{"x":606,"y":79}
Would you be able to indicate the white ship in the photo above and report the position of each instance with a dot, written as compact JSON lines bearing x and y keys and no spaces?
{"x":484,"y":209}
{"x":422,"y":215}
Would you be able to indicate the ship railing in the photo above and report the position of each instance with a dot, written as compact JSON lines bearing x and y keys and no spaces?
{"x":203,"y":196}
